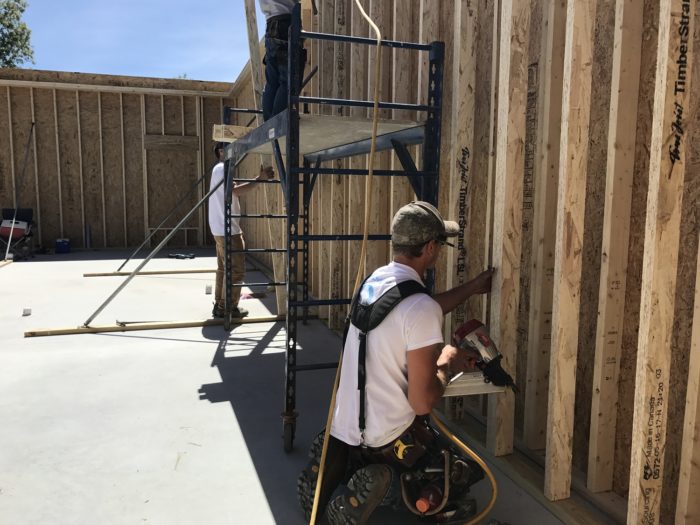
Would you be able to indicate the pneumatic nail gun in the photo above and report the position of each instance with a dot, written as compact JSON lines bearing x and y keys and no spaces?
{"x":473,"y":335}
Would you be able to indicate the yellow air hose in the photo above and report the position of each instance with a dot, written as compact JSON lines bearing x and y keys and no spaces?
{"x":358,"y":281}
{"x":475,"y":457}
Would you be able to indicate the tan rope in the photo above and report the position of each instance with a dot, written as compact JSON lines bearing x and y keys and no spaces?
{"x":363,"y":252}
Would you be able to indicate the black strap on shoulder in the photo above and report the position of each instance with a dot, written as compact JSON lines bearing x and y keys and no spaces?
{"x":367,"y":317}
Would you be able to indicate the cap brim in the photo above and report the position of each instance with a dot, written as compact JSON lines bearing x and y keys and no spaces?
{"x":451,"y":228}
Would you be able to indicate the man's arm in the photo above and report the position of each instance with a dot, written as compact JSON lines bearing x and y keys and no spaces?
{"x":430,"y":369}
{"x":244,"y":187}
{"x":450,"y":299}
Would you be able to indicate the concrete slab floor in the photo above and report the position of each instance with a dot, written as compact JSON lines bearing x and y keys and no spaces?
{"x":170,"y":426}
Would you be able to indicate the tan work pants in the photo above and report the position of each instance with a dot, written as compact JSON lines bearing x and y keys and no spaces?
{"x":237,"y":269}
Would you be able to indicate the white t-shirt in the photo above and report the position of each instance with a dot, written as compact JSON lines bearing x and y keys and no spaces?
{"x":217,"y":203}
{"x":272,"y":8}
{"x":416,"y":322}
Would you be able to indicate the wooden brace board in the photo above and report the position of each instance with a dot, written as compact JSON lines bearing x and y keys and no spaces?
{"x":228,"y":132}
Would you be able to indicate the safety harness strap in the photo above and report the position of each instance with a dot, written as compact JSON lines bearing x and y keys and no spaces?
{"x":366,"y":317}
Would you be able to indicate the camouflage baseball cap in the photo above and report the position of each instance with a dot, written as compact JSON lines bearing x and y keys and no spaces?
{"x":419,"y":222}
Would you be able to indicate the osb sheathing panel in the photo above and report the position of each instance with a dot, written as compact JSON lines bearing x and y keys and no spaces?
{"x":113,"y":173}
{"x":50,"y":218}
{"x":628,"y":355}
{"x":24,"y":163}
{"x":69,"y":163}
{"x":171,"y":174}
{"x":593,"y":225}
{"x":92,"y":174}
{"x":173,"y":115}
{"x":6,"y":185}
{"x":153,"y":115}
{"x":190,"y":109}
{"x":83,"y":181}
{"x":133,"y":160}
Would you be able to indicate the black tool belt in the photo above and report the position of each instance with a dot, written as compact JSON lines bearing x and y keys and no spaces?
{"x":278,"y":27}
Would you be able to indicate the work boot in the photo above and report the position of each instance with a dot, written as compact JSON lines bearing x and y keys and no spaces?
{"x":218,"y":312}
{"x":306,"y":484}
{"x":366,"y":490}
{"x":238,"y":312}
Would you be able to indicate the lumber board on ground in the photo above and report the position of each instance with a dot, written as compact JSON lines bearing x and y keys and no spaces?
{"x":576,"y":102}
{"x":150,"y":272}
{"x":667,"y":165}
{"x":620,"y":166}
{"x":507,"y":227}
{"x":542,"y":263}
{"x":136,"y":326}
{"x":688,"y":503}
{"x":228,"y":132}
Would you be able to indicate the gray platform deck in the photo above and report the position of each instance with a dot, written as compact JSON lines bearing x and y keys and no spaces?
{"x":167,"y":427}
{"x":321,"y":132}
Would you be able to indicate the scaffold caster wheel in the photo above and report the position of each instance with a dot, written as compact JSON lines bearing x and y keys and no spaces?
{"x":288,"y":437}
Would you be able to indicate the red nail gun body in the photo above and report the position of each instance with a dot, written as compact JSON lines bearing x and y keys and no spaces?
{"x":473,"y":335}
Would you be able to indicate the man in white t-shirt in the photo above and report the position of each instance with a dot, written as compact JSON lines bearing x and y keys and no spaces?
{"x":217,"y":204}
{"x":407,"y":365}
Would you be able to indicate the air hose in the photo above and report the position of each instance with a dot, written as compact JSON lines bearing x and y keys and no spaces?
{"x":358,"y":282}
{"x":468,"y":451}
{"x":363,"y":251}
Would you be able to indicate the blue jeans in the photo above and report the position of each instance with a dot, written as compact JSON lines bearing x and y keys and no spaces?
{"x":274,"y":97}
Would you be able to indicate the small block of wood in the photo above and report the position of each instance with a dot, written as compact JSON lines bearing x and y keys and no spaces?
{"x":229,"y":133}
{"x":470,"y":384}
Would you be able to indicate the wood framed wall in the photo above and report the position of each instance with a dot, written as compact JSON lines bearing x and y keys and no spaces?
{"x":109,"y":156}
{"x":545,"y":160}
{"x":565,"y":158}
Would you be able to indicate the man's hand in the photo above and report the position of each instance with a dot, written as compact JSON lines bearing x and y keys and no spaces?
{"x":266,"y":173}
{"x":482,"y":282}
{"x":456,"y":360}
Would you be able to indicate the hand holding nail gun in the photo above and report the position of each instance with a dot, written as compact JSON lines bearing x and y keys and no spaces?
{"x":474,"y":340}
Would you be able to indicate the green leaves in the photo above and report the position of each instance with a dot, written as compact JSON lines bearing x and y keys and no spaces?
{"x":15,"y":46}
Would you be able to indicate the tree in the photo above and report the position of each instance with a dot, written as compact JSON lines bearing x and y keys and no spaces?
{"x":15,"y":46}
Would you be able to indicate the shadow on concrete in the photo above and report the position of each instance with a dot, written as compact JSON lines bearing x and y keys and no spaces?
{"x":251,"y":362}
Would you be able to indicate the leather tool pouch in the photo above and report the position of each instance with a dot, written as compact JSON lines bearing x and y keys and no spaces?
{"x":409,"y":447}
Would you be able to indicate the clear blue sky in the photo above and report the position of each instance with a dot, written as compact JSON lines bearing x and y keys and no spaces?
{"x":203,"y":39}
